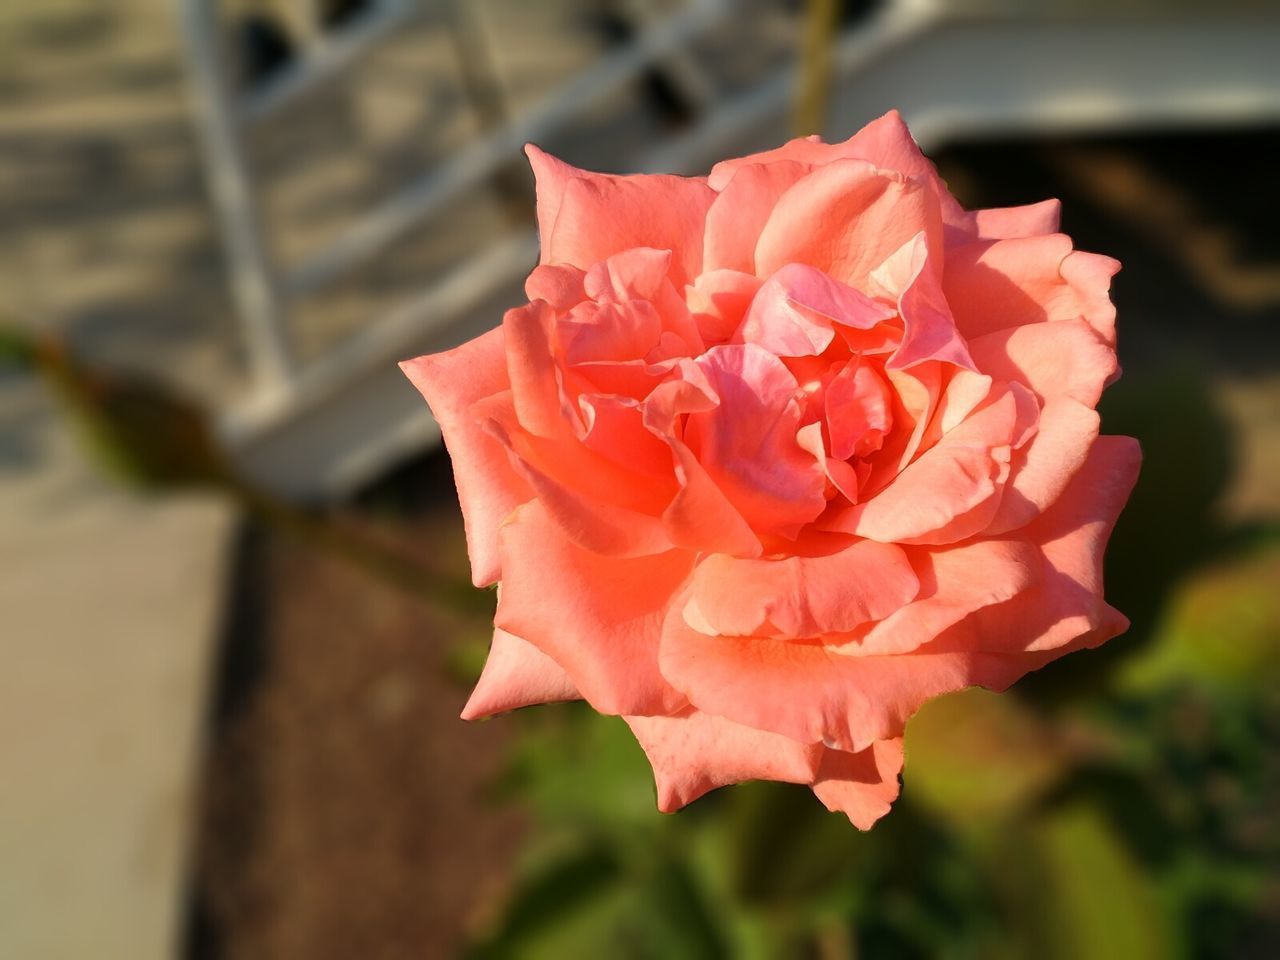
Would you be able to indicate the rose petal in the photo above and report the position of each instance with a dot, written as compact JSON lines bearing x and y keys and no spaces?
{"x":806,"y":691}
{"x":516,"y":674}
{"x":588,"y":512}
{"x":694,"y":752}
{"x":793,"y":313}
{"x":929,"y":332}
{"x":741,"y":210}
{"x":954,"y":582}
{"x":1072,"y":535}
{"x":884,"y":142}
{"x":992,"y":285}
{"x":1007,"y":223}
{"x":1040,"y":470}
{"x":700,"y":517}
{"x":860,"y":785}
{"x":747,"y":443}
{"x":845,"y":219}
{"x":1062,"y":359}
{"x":950,"y":491}
{"x":488,"y":488}
{"x":605,"y":215}
{"x":599,"y":617}
{"x":800,"y":596}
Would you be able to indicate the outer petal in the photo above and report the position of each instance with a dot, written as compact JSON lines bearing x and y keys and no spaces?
{"x":800,"y":596}
{"x":694,"y":752}
{"x":861,"y":785}
{"x":954,"y":582}
{"x":805,"y":691}
{"x":551,"y":177}
{"x":1006,"y":223}
{"x":741,"y":210}
{"x":604,"y":215}
{"x":517,"y":674}
{"x":599,"y":617}
{"x":488,"y":488}
{"x":885,"y":142}
{"x":992,"y":285}
{"x":1043,"y":468}
{"x":845,"y":219}
{"x":1072,"y":534}
{"x":1063,"y":359}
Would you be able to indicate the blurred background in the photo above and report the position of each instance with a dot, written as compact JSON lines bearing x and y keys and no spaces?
{"x":237,"y":629}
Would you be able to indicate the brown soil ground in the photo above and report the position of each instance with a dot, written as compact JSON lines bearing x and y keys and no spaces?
{"x":344,"y":807}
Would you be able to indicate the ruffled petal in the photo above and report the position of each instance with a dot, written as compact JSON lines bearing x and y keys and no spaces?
{"x":951,"y":491}
{"x":929,"y":331}
{"x":488,"y":488}
{"x":694,"y":752}
{"x":1067,"y":602}
{"x":805,"y":690}
{"x":1007,"y":223}
{"x":605,"y":215}
{"x":992,"y":285}
{"x":1042,"y":469}
{"x":747,"y":443}
{"x":517,"y":674}
{"x":800,"y":596}
{"x":794,"y":312}
{"x":599,"y":617}
{"x":954,"y":582}
{"x":741,"y":210}
{"x":1062,"y":359}
{"x":846,"y":219}
{"x":861,"y":785}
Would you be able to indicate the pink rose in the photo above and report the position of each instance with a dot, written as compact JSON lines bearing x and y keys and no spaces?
{"x":773,"y":456}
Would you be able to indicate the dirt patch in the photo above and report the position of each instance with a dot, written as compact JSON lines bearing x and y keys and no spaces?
{"x":345,"y":809}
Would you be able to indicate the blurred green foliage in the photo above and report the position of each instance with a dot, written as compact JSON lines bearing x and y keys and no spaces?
{"x":1120,"y":803}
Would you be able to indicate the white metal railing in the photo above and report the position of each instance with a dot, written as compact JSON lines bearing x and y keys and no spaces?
{"x":950,"y":73}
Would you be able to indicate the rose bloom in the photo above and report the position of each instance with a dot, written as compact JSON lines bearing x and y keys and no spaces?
{"x":773,"y":456}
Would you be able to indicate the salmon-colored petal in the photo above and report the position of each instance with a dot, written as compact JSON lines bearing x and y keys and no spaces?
{"x":800,"y":596}
{"x":741,"y":210}
{"x":747,"y":443}
{"x":599,"y":617}
{"x":951,"y":491}
{"x":516,"y":674}
{"x":488,"y":488}
{"x":719,"y":300}
{"x":605,"y":215}
{"x":581,"y":491}
{"x":860,"y":785}
{"x":845,"y":219}
{"x":1041,"y":470}
{"x":858,"y":410}
{"x":794,"y":312}
{"x":551,"y":176}
{"x":992,"y":285}
{"x":804,"y":690}
{"x":1062,"y":359}
{"x":954,"y":582}
{"x":559,"y":285}
{"x":694,"y":752}
{"x":1067,"y":603}
{"x":929,"y":331}
{"x":884,"y":142}
{"x":609,"y":331}
{"x":1007,"y":223}
{"x":536,"y":396}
